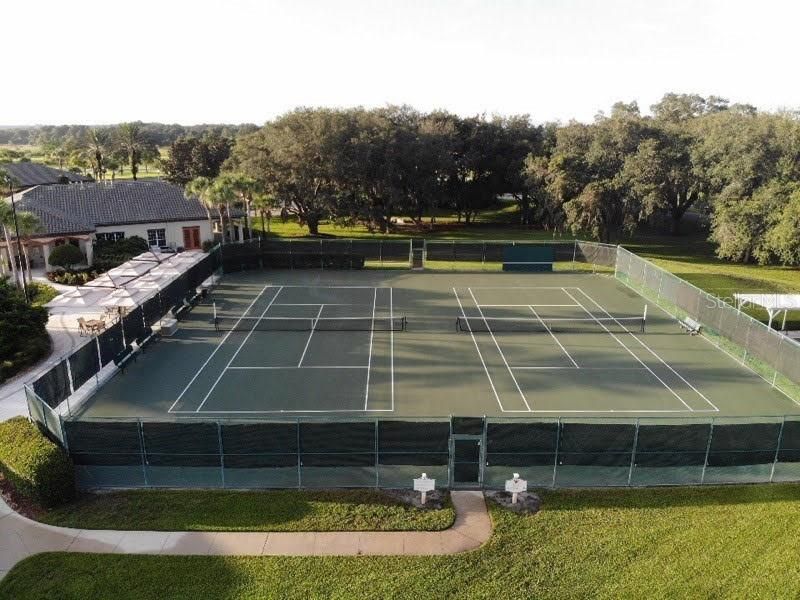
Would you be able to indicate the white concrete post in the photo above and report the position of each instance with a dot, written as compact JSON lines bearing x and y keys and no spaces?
{"x":89,"y":252}
{"x":46,"y":254}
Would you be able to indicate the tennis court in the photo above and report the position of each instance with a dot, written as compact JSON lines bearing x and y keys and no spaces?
{"x":392,"y":343}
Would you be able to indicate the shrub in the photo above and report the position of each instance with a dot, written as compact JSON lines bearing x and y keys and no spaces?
{"x":73,"y":277}
{"x":37,"y":467}
{"x":65,"y":256}
{"x":23,"y":337}
{"x":208,"y":245}
{"x":108,"y":255}
{"x":41,"y":293}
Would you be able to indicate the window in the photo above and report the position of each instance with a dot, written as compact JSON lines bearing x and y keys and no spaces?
{"x":157,"y":237}
{"x":110,"y":236}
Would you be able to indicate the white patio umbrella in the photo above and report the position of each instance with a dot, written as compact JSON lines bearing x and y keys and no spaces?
{"x":130,"y":269}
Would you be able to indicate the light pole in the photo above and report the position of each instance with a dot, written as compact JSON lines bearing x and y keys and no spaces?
{"x":19,"y":240}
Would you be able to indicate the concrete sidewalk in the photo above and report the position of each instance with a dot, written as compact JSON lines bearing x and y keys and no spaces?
{"x":21,"y":537}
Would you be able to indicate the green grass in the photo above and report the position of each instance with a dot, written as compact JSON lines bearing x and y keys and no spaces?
{"x":284,"y":510}
{"x":723,"y":542}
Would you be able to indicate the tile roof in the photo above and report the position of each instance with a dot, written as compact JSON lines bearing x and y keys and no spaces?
{"x":83,"y":207}
{"x":28,"y":174}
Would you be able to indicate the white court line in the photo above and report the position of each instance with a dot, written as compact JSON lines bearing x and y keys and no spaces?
{"x":239,"y":349}
{"x":221,"y":343}
{"x":317,"y":304}
{"x":262,"y":412}
{"x":334,"y":287}
{"x":371,"y":336}
{"x":474,"y":341}
{"x":619,"y":341}
{"x":523,"y":287}
{"x":308,"y":341}
{"x":560,"y":345}
{"x":528,"y":305}
{"x":650,"y":350}
{"x":503,"y":356}
{"x":259,"y":368}
{"x":736,"y":359}
{"x":584,"y":368}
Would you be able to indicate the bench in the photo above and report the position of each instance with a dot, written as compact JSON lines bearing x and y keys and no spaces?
{"x":179,"y":309}
{"x":147,"y":338}
{"x":689,"y":325}
{"x":123,"y":358}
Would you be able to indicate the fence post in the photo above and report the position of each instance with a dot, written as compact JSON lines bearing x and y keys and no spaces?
{"x":377,"y":465}
{"x":558,"y":445}
{"x":299,"y":463}
{"x":633,"y":452}
{"x":777,"y":360}
{"x":575,"y":252}
{"x":777,"y":450}
{"x":143,"y":452}
{"x":221,"y":454}
{"x":708,"y":451}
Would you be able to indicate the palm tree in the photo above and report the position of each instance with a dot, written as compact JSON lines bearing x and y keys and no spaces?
{"x":98,"y":141}
{"x":263,"y":202}
{"x":6,"y":221}
{"x":245,"y":189}
{"x":131,"y":141}
{"x":28,"y":225}
{"x":224,"y":192}
{"x":201,"y":188}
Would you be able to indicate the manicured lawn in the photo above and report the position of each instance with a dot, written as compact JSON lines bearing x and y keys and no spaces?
{"x":284,"y":510}
{"x":725,"y":542}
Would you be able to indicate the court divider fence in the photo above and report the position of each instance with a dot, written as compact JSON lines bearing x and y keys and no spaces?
{"x":772,"y":355}
{"x":49,"y":394}
{"x":315,"y":452}
{"x":291,"y":253}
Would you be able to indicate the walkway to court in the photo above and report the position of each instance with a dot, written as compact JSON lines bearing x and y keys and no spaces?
{"x":21,"y":537}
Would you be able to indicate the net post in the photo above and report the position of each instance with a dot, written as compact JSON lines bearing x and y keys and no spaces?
{"x":644,"y":321}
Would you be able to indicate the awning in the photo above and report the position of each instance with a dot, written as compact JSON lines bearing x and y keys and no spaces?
{"x":774,"y":304}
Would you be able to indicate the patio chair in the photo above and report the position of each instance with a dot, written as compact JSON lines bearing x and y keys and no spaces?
{"x":83,"y":327}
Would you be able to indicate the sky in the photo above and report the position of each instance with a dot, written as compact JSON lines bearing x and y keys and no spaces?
{"x":204,"y":61}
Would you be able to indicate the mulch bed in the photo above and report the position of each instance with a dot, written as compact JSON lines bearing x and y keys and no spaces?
{"x":528,"y":503}
{"x":24,"y":506}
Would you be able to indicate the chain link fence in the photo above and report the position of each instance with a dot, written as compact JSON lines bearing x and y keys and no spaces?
{"x":772,"y":355}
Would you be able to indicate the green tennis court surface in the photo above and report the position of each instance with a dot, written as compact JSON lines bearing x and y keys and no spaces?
{"x":406,"y":344}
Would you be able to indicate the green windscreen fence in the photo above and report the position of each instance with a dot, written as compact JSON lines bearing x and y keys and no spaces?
{"x":528,"y":259}
{"x":84,"y":363}
{"x":53,"y":386}
{"x":310,"y":452}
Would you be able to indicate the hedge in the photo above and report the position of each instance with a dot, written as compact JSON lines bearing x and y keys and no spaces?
{"x":23,"y":337}
{"x":37,"y":467}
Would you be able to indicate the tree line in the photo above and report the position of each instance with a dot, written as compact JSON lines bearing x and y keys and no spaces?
{"x":734,"y":166}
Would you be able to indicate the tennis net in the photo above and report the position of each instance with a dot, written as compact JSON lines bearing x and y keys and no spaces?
{"x":553,"y":325}
{"x":235,"y":323}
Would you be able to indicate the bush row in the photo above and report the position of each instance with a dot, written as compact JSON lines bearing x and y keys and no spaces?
{"x":37,"y":467}
{"x":23,"y":337}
